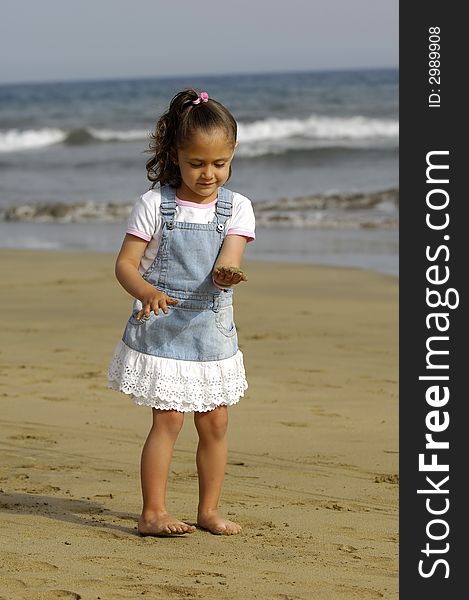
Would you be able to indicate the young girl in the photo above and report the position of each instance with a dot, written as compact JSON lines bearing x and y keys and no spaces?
{"x":180,"y":258}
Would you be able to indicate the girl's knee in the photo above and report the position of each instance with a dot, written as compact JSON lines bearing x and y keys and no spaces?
{"x":213,"y":423}
{"x":170,"y":421}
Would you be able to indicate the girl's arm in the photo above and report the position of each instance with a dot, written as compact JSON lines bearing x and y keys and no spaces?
{"x":127,"y":274}
{"x":226,"y":271}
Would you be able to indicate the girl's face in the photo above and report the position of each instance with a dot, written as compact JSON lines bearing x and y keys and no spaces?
{"x":204,"y":163}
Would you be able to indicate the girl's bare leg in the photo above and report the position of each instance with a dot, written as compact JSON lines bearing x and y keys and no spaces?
{"x":211,"y":457}
{"x":156,"y":459}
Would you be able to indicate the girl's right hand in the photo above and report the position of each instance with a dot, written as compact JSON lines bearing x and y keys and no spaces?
{"x":153,"y":302}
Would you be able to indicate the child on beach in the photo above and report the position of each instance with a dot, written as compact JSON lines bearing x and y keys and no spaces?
{"x":180,"y":258}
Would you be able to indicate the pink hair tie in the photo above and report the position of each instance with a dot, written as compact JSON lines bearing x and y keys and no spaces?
{"x":203,"y":97}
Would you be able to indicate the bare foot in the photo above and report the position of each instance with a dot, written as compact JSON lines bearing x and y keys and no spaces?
{"x":163,"y":524}
{"x":215,"y":523}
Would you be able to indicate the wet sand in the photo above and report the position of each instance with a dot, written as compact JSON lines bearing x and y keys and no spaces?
{"x":313,"y":448}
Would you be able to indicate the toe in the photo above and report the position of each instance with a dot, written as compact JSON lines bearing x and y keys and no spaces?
{"x":234,"y":528}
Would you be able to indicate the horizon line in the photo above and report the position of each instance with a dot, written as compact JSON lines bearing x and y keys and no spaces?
{"x":196,"y":76}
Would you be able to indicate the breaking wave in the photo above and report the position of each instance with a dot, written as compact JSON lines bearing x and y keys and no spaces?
{"x":256,"y":138}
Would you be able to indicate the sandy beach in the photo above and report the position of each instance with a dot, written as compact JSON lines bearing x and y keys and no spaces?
{"x":313,"y":445}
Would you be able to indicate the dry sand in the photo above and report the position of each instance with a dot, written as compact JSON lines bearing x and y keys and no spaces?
{"x":312,"y":473}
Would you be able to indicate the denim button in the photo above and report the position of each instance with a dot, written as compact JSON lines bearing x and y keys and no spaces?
{"x":170,"y":224}
{"x":220,"y":227}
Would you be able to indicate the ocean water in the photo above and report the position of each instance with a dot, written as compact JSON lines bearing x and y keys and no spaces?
{"x":317,"y":155}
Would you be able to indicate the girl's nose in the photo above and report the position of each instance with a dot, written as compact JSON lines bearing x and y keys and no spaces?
{"x":207,"y":172}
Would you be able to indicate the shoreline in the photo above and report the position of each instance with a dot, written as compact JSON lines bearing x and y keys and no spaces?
{"x":272,"y":212}
{"x":369,"y":249}
{"x":312,"y":473}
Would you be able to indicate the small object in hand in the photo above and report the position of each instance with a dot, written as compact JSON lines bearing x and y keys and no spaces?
{"x":223,"y":271}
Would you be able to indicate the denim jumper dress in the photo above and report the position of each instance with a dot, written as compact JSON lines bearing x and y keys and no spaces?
{"x":200,"y":326}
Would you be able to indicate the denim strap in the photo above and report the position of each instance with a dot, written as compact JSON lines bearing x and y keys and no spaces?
{"x":224,"y":207}
{"x":168,"y":205}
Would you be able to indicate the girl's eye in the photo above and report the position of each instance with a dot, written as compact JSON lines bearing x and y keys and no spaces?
{"x":197,"y":165}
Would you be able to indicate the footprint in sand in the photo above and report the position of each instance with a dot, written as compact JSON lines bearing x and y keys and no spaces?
{"x":39,"y":566}
{"x":394,"y":479}
{"x":336,"y":506}
{"x":34,"y":437}
{"x":179,"y":591}
{"x":346,"y":548}
{"x":43,"y":489}
{"x":196,"y":573}
{"x":14,"y":585}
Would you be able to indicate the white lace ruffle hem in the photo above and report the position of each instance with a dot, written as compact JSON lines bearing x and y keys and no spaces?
{"x":170,"y":384}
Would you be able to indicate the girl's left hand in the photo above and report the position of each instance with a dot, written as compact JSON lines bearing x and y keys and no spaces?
{"x":226,"y":276}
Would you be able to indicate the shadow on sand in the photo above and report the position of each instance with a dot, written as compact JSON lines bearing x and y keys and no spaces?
{"x":79,"y":512}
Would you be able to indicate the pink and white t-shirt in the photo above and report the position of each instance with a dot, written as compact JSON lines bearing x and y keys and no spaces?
{"x":146,"y":223}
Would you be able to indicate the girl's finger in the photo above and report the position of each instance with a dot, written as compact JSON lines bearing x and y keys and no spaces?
{"x":170,"y":300}
{"x":144,"y":312}
{"x":163,"y":306}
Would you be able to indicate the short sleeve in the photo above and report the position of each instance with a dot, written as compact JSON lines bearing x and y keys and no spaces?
{"x":145,"y":220}
{"x":242,"y":220}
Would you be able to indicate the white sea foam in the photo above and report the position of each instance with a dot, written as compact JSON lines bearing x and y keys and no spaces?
{"x":278,"y":136}
{"x":108,"y":135}
{"x":319,"y":128}
{"x":13,"y":140}
{"x":257,"y":138}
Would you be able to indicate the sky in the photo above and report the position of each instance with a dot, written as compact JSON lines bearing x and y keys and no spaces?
{"x":60,"y":40}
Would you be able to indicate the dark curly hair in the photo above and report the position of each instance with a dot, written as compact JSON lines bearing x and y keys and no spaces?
{"x":175,"y":127}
